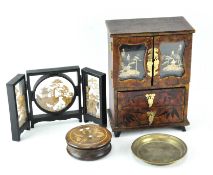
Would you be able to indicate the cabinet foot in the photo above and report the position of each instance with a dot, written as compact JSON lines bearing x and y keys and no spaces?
{"x":86,"y":121}
{"x":117,"y":133}
{"x":182,"y":128}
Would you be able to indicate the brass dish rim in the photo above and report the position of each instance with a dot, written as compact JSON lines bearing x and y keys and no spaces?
{"x":180,"y":141}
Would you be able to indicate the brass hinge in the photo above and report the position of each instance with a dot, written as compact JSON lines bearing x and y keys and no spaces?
{"x":111,"y":46}
{"x":111,"y":73}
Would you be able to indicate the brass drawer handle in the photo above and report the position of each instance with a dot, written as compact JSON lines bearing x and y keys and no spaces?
{"x":150,"y":99}
{"x":151,"y":116}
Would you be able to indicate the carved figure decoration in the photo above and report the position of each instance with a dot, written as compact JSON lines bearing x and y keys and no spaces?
{"x":132,"y":61}
{"x":55,"y":95}
{"x":92,"y":96}
{"x":172,"y":59}
{"x":21,"y":104}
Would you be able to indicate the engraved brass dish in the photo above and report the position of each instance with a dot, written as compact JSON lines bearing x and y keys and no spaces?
{"x":159,"y":149}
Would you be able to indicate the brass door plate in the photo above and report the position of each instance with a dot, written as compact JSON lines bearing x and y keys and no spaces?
{"x":159,"y":149}
{"x":150,"y":61}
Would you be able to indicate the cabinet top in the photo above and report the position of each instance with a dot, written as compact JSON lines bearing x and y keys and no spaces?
{"x":149,"y":25}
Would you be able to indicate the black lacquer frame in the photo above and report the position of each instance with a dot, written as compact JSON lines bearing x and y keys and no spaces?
{"x":60,"y":115}
{"x":102,"y":90}
{"x":15,"y":129}
{"x":63,"y":114}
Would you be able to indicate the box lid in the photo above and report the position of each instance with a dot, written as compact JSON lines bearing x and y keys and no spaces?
{"x":149,"y":25}
{"x":88,"y":136}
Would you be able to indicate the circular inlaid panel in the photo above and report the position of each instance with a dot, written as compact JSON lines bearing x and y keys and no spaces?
{"x":54,"y":94}
{"x":88,"y":137}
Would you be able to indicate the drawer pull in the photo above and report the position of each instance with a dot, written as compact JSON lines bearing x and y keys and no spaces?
{"x":151,"y":116}
{"x":150,"y":99}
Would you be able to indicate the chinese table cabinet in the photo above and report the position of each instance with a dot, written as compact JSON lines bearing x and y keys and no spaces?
{"x":149,"y":72}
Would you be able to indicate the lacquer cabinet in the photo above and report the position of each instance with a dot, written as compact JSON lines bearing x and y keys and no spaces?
{"x":149,"y":64}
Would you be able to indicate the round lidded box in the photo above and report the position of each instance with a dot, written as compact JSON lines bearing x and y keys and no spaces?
{"x":88,"y":142}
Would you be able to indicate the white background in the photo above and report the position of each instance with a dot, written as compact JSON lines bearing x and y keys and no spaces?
{"x":54,"y":33}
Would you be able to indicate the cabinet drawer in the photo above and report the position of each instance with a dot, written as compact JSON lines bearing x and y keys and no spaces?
{"x":156,"y":116}
{"x":133,"y":100}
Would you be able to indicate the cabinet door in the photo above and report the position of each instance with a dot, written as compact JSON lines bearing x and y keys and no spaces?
{"x":132,"y":62}
{"x":172,"y":59}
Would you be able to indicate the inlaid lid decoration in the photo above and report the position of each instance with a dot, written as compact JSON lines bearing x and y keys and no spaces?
{"x":88,"y":136}
{"x":54,"y":94}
